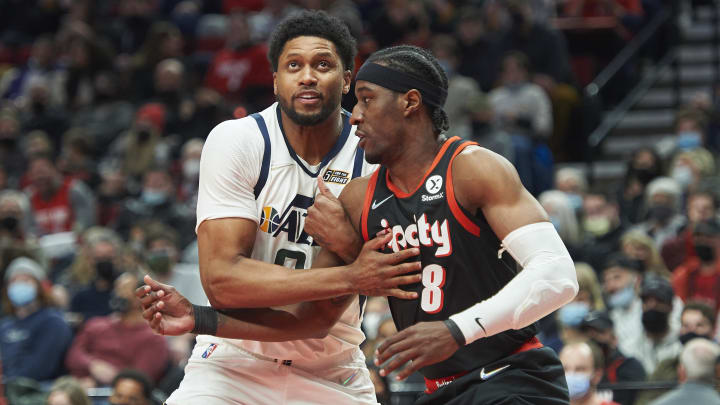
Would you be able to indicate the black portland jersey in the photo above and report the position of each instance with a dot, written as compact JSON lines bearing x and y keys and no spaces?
{"x":459,"y":255}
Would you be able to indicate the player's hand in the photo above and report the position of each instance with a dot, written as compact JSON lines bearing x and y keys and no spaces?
{"x":329,"y":225}
{"x":379,"y":274}
{"x":420,"y":345}
{"x":166,"y":311}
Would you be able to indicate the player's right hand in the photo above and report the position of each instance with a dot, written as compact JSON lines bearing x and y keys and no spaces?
{"x":379,"y":274}
{"x":166,"y":311}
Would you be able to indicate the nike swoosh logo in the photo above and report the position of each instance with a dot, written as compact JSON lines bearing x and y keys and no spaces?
{"x":481,"y":325}
{"x":485,"y":376}
{"x":376,"y":204}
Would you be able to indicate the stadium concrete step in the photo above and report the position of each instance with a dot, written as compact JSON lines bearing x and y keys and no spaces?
{"x":646,"y":122}
{"x":664,"y":97}
{"x":696,"y":54}
{"x":690,"y":75}
{"x":605,"y":173}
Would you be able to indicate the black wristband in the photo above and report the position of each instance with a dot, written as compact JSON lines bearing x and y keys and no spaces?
{"x":206,"y":320}
{"x":455,"y":332}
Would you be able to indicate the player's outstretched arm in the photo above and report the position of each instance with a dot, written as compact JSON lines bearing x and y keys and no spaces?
{"x":485,"y":181}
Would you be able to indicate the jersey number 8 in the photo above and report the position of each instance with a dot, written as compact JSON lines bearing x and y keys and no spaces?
{"x":433,"y":279}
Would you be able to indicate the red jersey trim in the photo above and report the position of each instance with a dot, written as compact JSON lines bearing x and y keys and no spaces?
{"x":458,"y":213}
{"x":369,"y":192}
{"x":399,"y":193}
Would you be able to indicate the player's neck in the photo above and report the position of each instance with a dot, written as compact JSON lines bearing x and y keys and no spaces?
{"x":412,"y":162}
{"x":312,"y":143}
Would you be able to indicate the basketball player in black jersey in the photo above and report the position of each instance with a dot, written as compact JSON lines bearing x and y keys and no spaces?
{"x":471,"y":331}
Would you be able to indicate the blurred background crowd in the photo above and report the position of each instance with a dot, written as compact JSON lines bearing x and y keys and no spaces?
{"x":105,"y":104}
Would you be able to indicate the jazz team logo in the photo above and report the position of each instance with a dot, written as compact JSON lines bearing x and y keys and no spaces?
{"x":269,"y":220}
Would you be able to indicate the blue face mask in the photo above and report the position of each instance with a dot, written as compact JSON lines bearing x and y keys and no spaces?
{"x":153,"y":197}
{"x":22,"y":293}
{"x":688,"y":140}
{"x":573,"y":313}
{"x":575,"y":200}
{"x":622,"y":298}
{"x":578,"y":384}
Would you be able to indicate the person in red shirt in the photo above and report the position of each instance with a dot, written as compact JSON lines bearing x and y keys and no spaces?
{"x":241,"y":70}
{"x":108,"y":344}
{"x":58,"y":204}
{"x":584,"y":365}
{"x":698,"y":277}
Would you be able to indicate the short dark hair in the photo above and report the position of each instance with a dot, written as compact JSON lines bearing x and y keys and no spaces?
{"x":313,"y":24}
{"x":137,"y":376}
{"x":421,"y":64}
{"x":705,"y":310}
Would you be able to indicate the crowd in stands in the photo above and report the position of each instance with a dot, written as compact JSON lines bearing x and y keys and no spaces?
{"x":105,"y":105}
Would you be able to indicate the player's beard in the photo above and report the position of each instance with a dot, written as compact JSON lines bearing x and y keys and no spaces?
{"x":329,"y":105}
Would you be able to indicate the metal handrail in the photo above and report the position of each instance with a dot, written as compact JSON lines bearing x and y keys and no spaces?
{"x":617,"y":114}
{"x":629,"y":51}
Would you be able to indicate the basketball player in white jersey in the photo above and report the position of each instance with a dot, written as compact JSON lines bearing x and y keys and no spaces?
{"x":258,"y":177}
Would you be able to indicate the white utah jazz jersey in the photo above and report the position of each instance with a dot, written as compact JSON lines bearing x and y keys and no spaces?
{"x":248,"y":170}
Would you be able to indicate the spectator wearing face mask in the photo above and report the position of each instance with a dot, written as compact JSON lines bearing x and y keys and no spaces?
{"x":601,"y":228}
{"x":662,"y":203}
{"x":696,"y":374}
{"x":99,"y":263}
{"x":621,"y":277}
{"x":690,"y":167}
{"x":59,"y":204}
{"x":636,"y":245}
{"x":16,"y":238}
{"x":644,"y":166}
{"x":190,"y":166}
{"x":696,"y":321}
{"x":583,"y":366}
{"x":572,"y":182}
{"x":131,"y":387}
{"x":701,"y":206}
{"x":598,"y":327}
{"x":690,"y":133}
{"x":658,"y":341}
{"x":157,"y":202}
{"x":589,"y":298}
{"x":698,"y":277}
{"x":34,"y":337}
{"x":108,"y":344}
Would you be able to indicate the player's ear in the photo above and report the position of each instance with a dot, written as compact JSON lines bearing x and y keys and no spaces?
{"x":412,"y":100}
{"x":275,"y":83}
{"x":347,"y":81}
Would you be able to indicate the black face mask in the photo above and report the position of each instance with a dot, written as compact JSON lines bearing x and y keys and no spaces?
{"x":120,"y":304}
{"x":661,"y":213}
{"x":604,"y":347}
{"x":706,"y":253}
{"x":10,"y":224}
{"x":106,"y":270}
{"x":655,"y":321}
{"x":8,"y":143}
{"x":159,"y":262}
{"x":644,"y":175}
{"x":684,"y":338}
{"x":143,"y":136}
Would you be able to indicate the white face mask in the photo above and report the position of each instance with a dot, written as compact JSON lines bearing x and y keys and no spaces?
{"x":191,"y":168}
{"x":683,"y":175}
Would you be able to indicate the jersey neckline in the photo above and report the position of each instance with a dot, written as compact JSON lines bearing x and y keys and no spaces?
{"x":333,"y":152}
{"x":401,"y":194}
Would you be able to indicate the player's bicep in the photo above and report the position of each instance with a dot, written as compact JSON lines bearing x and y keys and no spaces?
{"x":488,"y":182}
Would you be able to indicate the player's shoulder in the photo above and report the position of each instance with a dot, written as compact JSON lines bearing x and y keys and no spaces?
{"x":480,"y":162}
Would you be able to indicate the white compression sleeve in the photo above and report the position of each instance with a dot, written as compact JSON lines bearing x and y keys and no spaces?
{"x":546,"y":282}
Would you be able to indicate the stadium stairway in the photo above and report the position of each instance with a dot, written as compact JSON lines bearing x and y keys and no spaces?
{"x":650,"y":121}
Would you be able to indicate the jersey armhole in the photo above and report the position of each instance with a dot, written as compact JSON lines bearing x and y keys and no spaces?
{"x":265,"y":168}
{"x":455,"y":208}
{"x":369,"y":192}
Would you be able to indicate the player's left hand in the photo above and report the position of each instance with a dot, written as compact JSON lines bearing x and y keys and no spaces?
{"x":420,"y":345}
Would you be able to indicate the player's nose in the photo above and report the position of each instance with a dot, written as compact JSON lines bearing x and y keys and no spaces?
{"x":356,"y":116}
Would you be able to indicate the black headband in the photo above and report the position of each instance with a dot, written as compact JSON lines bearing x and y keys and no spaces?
{"x":402,"y":82}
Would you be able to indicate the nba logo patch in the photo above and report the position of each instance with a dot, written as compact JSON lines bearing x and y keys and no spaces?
{"x":209,"y":350}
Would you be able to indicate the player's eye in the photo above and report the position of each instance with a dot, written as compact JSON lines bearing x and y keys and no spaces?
{"x":292,"y":65}
{"x":365,"y":100}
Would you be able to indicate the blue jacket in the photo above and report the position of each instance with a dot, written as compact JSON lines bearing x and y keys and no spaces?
{"x":34,"y":347}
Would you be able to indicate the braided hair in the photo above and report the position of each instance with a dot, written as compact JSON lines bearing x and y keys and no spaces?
{"x":421,"y":64}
